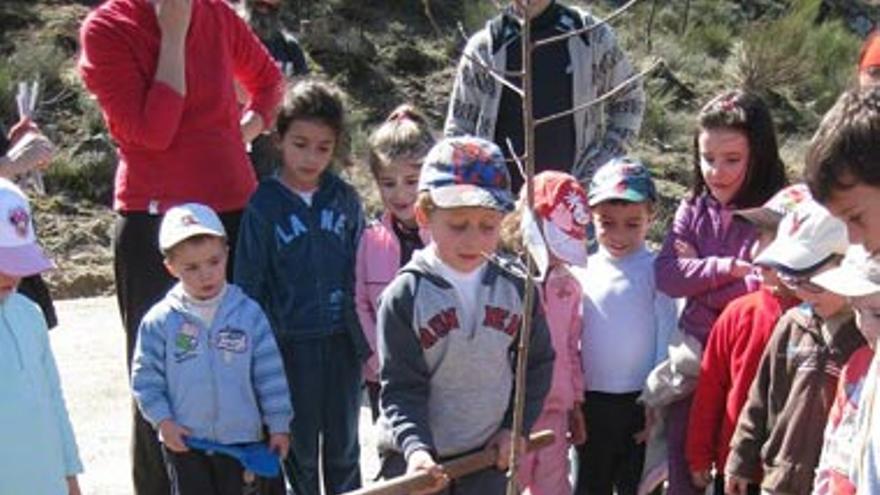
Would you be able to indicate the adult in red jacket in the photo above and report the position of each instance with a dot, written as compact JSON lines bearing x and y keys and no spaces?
{"x":162,"y":72}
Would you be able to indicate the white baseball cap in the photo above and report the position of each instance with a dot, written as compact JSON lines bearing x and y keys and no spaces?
{"x":806,"y":238}
{"x":858,"y":275}
{"x":20,"y":255}
{"x":188,"y":220}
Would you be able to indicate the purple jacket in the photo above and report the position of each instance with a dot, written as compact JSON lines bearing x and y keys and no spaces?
{"x":706,"y":282}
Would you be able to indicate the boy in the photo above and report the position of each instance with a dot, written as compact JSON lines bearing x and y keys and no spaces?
{"x":38,"y":452}
{"x":206,"y":364}
{"x":857,"y":278}
{"x":627,"y":323}
{"x":843,"y":164}
{"x":734,"y":349}
{"x":780,"y":428}
{"x":448,"y":326}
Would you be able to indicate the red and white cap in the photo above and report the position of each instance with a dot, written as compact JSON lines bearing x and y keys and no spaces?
{"x":561,"y":205}
{"x":807,"y":237}
{"x":20,"y":255}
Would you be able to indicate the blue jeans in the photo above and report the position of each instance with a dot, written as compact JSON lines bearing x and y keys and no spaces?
{"x":324,"y":376}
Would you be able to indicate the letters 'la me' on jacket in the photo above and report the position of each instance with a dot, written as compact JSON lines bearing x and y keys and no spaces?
{"x":222,"y":382}
{"x":297,"y":260}
{"x":599,"y":65}
{"x":448,"y":389}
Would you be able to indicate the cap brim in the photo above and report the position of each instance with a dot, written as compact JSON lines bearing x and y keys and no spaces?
{"x":628,"y":195}
{"x":464,"y":195}
{"x":790,"y":257}
{"x":191,"y":231}
{"x":761,"y":217}
{"x":23,"y":261}
{"x":846,"y":281}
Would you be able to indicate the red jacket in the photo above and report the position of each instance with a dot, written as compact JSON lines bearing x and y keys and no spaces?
{"x":730,"y":362}
{"x":173,"y":148}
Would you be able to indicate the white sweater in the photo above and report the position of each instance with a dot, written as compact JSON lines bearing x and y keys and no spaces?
{"x":627,"y":321}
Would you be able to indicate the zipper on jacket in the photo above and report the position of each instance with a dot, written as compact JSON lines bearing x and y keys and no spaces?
{"x":12,"y":335}
{"x":210,"y":348}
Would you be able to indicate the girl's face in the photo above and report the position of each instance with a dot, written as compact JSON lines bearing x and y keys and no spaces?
{"x":868,"y":316}
{"x":724,"y":161}
{"x":398,"y":187}
{"x":8,"y":284}
{"x":306,"y":151}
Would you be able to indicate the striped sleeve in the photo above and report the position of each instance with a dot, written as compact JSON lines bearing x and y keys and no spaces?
{"x":270,"y":381}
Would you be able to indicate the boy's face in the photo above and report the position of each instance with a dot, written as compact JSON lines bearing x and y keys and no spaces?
{"x":463,"y":236}
{"x":859,"y":207}
{"x":398,"y":187}
{"x":8,"y":284}
{"x":200,"y":265}
{"x":825,"y":303}
{"x":867,"y":310}
{"x":621,"y":227}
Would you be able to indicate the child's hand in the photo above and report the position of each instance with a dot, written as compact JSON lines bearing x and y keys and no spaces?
{"x":279,"y":443}
{"x":171,"y":434}
{"x":650,"y":420}
{"x":501,"y":442}
{"x":701,"y":479}
{"x":685,"y":249}
{"x":577,"y":426}
{"x":734,"y":485}
{"x":73,"y":486}
{"x":421,"y":460}
{"x":741,"y":268}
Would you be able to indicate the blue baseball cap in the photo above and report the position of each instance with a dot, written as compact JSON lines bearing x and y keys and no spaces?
{"x":466,"y":171}
{"x":622,"y":178}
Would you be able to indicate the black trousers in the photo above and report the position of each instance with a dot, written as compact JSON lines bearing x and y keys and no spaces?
{"x":141,"y":281}
{"x":610,"y":461}
{"x":198,"y":473}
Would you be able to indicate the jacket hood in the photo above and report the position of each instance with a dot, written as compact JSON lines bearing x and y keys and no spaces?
{"x":497,"y":265}
{"x":233,"y":298}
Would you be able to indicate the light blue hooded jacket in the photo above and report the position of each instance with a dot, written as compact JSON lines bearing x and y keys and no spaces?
{"x":38,"y":449}
{"x":223,"y":382}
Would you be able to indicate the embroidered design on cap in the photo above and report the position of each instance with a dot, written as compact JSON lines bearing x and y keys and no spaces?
{"x":20,"y":219}
{"x":188,"y":220}
{"x":797,"y":222}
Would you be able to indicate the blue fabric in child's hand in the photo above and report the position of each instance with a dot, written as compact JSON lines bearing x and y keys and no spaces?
{"x":255,"y":457}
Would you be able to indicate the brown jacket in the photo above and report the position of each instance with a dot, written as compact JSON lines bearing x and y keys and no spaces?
{"x":780,"y":429}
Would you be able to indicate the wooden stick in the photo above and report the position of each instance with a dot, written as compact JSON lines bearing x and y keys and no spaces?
{"x":455,"y":468}
{"x":616,"y":13}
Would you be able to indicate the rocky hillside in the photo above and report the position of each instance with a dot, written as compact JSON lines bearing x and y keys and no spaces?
{"x":799,"y":53}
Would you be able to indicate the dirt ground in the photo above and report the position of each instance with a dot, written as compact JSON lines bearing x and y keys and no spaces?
{"x":89,"y":346}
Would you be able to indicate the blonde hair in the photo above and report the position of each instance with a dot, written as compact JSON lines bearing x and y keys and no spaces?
{"x":405,"y":134}
{"x":511,"y":232}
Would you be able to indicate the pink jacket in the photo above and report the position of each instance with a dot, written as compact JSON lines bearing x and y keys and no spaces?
{"x":377,"y":262}
{"x":562,"y":299}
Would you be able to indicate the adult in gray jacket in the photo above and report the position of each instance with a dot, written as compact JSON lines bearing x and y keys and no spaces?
{"x":566,"y":74}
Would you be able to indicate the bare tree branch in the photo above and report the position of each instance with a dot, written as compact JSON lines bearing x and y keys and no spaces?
{"x":607,"y":96}
{"x":499,"y":76}
{"x":600,"y":23}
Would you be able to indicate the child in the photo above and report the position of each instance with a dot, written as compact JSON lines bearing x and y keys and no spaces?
{"x":296,"y":254}
{"x":39,"y":453}
{"x":858,"y":278}
{"x":206,"y":364}
{"x":843,"y":164}
{"x":397,"y":148}
{"x":448,"y":327}
{"x":627,"y":323}
{"x":705,"y":258}
{"x":869,"y":61}
{"x":554,"y":235}
{"x":779,"y":428}
{"x":733,"y":352}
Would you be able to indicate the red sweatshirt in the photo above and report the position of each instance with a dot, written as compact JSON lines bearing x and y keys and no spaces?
{"x":173,"y":148}
{"x":730,"y":362}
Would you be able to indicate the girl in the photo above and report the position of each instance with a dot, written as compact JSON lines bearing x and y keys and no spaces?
{"x":554,"y":235}
{"x":396,"y":151}
{"x":296,"y":257}
{"x":705,"y":258}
